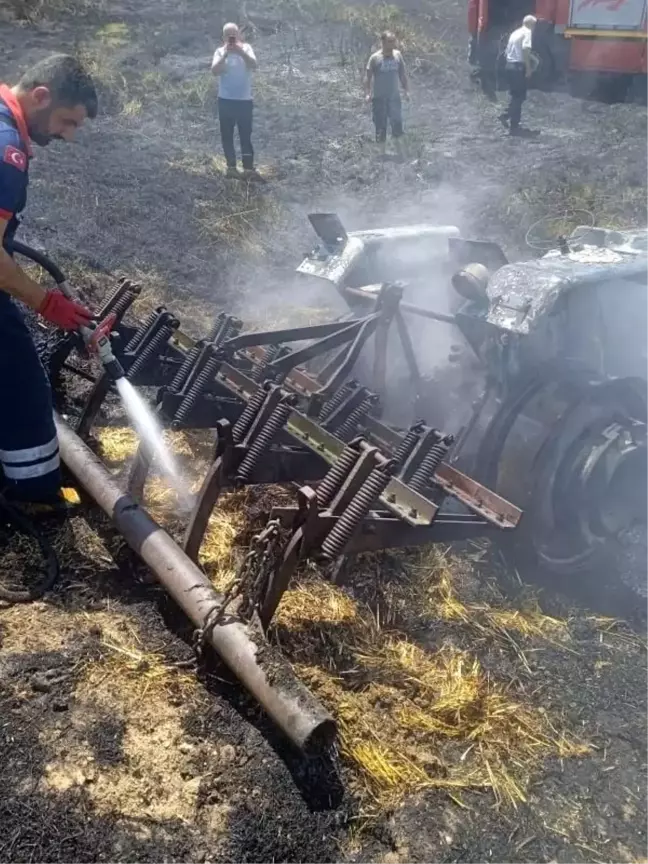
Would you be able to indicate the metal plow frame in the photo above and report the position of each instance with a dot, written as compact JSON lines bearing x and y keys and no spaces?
{"x":362,"y":485}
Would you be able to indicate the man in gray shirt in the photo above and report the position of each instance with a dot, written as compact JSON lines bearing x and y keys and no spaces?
{"x":386,"y":71}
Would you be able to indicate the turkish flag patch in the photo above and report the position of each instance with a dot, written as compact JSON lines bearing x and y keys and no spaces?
{"x":14,"y":156}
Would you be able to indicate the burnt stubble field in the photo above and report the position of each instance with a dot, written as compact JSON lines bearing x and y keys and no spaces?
{"x":481,"y":721}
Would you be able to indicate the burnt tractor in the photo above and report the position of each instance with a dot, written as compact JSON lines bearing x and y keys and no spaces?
{"x":540,"y":365}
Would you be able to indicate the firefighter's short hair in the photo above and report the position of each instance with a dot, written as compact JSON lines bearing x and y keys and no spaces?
{"x":67,"y":80}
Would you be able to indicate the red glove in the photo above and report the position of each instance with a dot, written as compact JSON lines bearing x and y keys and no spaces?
{"x":64,"y":313}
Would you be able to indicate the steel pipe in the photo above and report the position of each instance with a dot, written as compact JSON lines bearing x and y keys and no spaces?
{"x":242,"y":647}
{"x":427,"y":313}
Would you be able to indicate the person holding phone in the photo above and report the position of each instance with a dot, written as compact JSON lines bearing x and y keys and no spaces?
{"x":233,"y":64}
{"x":385,"y":76}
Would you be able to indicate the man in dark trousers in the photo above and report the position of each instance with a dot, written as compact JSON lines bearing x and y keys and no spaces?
{"x":234,"y":63}
{"x":51,"y":101}
{"x":519,"y":68}
{"x":386,"y":72}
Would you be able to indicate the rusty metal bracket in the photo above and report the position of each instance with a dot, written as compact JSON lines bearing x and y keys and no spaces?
{"x":313,"y":522}
{"x":482,"y":501}
{"x":309,"y":528}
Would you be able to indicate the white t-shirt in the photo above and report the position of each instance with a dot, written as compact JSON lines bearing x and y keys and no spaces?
{"x":518,"y":41}
{"x":235,"y":81}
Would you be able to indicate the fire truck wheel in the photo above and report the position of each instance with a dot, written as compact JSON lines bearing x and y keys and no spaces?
{"x":638,"y":90}
{"x":545,"y":74}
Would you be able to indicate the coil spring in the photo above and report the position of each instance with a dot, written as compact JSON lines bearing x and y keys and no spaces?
{"x":358,"y":507}
{"x":433,"y":458}
{"x":224,"y":330}
{"x":185,"y":368}
{"x":111,"y":299}
{"x":232,"y":329}
{"x":330,"y":484}
{"x":122,"y":306}
{"x":260,"y":369}
{"x":265,"y":437}
{"x":335,"y":401}
{"x":257,"y":372}
{"x":349,"y":428}
{"x":201,"y":381}
{"x":218,"y":323}
{"x":154,"y":347}
{"x":408,"y":443}
{"x":242,"y":425}
{"x":142,"y":329}
{"x":271,"y":353}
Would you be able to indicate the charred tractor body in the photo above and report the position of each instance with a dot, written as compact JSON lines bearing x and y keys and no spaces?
{"x":541,"y":392}
{"x":547,"y":390}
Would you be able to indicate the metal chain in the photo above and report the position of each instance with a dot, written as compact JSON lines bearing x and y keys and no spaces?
{"x":249,"y":583}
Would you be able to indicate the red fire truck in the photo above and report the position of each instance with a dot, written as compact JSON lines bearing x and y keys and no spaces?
{"x":573,"y":38}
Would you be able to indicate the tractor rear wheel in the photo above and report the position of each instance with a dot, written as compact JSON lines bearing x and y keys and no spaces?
{"x":571,"y":451}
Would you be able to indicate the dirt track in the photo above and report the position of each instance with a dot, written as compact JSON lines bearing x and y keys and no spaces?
{"x":94,"y":768}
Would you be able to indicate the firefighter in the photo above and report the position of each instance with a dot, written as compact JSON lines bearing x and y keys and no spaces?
{"x":519,"y":68}
{"x":51,"y":101}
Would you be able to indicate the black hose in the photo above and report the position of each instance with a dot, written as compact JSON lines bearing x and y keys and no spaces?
{"x":15,"y":246}
{"x":51,"y":571}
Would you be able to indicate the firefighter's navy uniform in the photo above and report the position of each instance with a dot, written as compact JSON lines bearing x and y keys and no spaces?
{"x":29,"y":455}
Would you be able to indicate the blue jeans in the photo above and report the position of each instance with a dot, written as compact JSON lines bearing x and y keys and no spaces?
{"x":383,"y":109}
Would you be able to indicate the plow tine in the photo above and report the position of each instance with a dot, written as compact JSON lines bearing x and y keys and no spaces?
{"x":203,"y":508}
{"x":140,"y":470}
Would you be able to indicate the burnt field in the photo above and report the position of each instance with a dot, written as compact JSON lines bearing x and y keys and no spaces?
{"x":481,"y":718}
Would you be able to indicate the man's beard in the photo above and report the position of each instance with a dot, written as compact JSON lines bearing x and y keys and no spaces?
{"x":38,"y":125}
{"x":40,"y":138}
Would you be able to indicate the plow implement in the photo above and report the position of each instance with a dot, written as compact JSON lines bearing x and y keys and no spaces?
{"x":358,"y":484}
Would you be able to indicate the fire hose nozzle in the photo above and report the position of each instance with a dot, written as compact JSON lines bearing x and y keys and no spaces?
{"x":97,"y":341}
